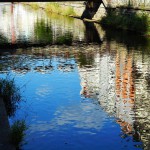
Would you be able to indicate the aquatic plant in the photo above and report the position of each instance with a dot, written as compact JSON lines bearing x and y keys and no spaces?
{"x":10,"y":94}
{"x":18,"y":133}
{"x":128,"y":21}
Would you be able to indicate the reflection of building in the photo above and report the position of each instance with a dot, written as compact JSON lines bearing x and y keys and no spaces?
{"x":118,"y":80}
{"x":19,"y":22}
{"x":125,"y":91}
{"x":142,"y":96}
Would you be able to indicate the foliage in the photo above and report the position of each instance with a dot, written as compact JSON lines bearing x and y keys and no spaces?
{"x":18,"y":133}
{"x":127,"y":21}
{"x":10,"y":94}
{"x":56,"y":8}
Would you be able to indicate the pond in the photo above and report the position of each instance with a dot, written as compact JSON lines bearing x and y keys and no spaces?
{"x":83,"y":87}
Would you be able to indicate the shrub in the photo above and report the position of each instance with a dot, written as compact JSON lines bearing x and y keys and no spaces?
{"x":128,"y":21}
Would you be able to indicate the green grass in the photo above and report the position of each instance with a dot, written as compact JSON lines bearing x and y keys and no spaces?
{"x":18,"y":133}
{"x":55,"y":8}
{"x":132,"y":21}
{"x":10,"y":94}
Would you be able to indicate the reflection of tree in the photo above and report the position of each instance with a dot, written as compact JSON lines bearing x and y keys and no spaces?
{"x":43,"y":31}
{"x":91,"y":33}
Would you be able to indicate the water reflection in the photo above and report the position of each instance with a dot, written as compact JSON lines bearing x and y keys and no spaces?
{"x":91,"y":33}
{"x":114,"y":79}
{"x":129,"y":40}
{"x":41,"y":29}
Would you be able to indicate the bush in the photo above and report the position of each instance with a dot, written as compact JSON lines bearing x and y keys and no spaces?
{"x":127,"y":21}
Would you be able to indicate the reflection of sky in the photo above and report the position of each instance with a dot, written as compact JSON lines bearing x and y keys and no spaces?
{"x":60,"y":119}
{"x":83,"y":117}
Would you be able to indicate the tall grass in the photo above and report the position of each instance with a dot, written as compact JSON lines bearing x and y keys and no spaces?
{"x":18,"y":133}
{"x":10,"y":94}
{"x":127,"y":21}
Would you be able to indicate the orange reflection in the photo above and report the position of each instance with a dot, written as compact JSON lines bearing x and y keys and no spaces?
{"x":125,"y":90}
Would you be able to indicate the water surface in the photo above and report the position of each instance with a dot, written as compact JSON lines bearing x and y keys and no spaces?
{"x":82,"y":87}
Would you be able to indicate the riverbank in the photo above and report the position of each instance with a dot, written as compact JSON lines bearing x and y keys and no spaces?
{"x":5,"y":140}
{"x":131,"y":21}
